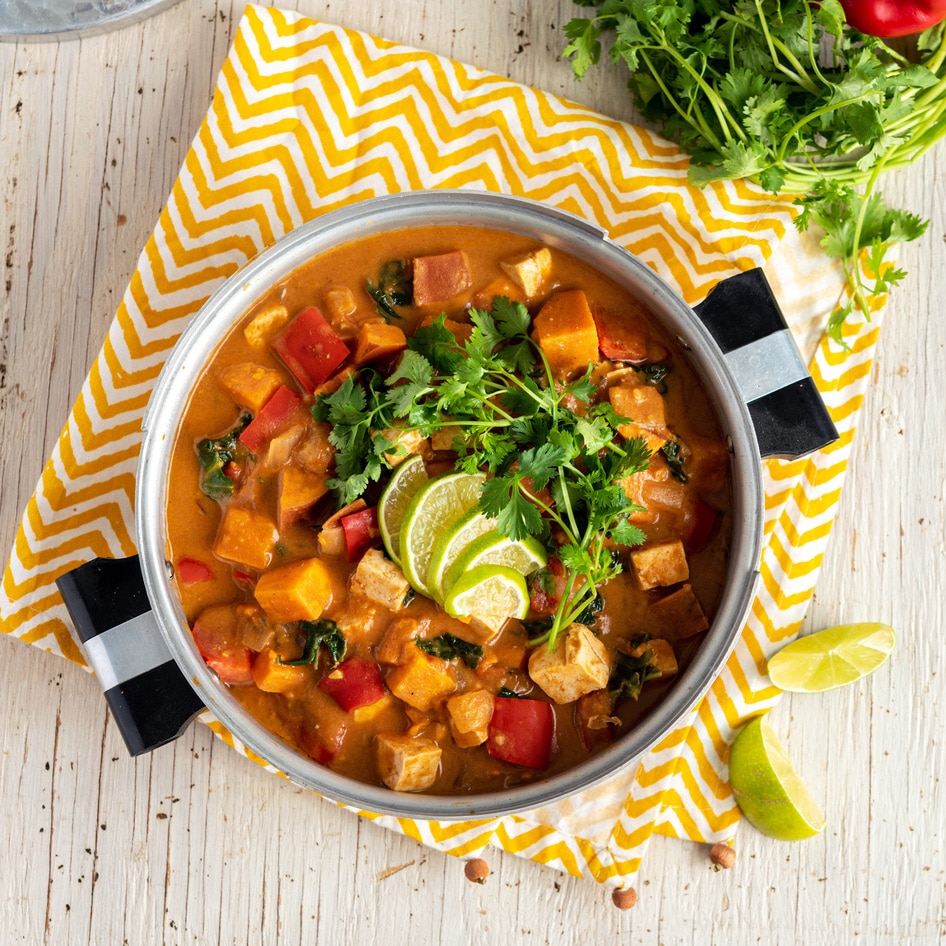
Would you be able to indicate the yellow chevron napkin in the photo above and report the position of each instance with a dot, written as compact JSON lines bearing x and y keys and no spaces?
{"x":308,"y":117}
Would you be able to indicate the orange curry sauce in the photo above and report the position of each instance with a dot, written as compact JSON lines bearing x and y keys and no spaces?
{"x":279,"y":490}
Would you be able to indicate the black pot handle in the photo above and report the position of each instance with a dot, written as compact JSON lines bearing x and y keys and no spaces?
{"x":150,"y":699}
{"x":744,"y":318}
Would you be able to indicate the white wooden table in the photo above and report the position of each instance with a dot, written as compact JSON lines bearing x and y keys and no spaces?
{"x":194,"y":844}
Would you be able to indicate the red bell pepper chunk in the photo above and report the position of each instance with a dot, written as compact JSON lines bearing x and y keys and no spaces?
{"x":521,"y":731}
{"x":230,"y":660}
{"x":353,"y":683}
{"x":190,"y":570}
{"x":621,"y":335}
{"x":361,"y":532}
{"x":701,"y":526}
{"x":310,"y":349}
{"x":273,"y":416}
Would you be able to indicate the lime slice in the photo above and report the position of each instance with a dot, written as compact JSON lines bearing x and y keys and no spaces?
{"x":831,"y":658}
{"x":436,"y":506}
{"x":767,"y":788}
{"x":471,"y":525}
{"x":406,"y":481}
{"x":491,"y":593}
{"x":522,"y":555}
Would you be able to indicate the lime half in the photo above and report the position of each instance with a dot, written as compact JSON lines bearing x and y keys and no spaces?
{"x":767,"y":788}
{"x":406,"y":481}
{"x":491,"y":593}
{"x":831,"y":658}
{"x":522,"y":555}
{"x":470,"y":526}
{"x":436,"y":506}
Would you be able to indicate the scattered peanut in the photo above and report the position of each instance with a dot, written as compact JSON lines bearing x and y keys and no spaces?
{"x":624,"y":898}
{"x":722,"y":856}
{"x":476,"y":870}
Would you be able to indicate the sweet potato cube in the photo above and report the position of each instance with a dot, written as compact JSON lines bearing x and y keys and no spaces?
{"x":441,"y":277}
{"x":680,"y":613}
{"x":299,"y":591}
{"x":407,"y":763}
{"x":707,"y":462}
{"x":378,"y":340}
{"x":265,"y":324}
{"x":529,"y":271}
{"x":246,"y":537}
{"x":421,"y":681}
{"x":578,"y":664}
{"x":299,"y":491}
{"x":565,"y":331}
{"x":249,"y":384}
{"x":397,"y":638}
{"x":461,"y":331}
{"x":380,"y":580}
{"x":471,"y":712}
{"x":500,"y":287}
{"x":657,"y":565}
{"x":274,"y":677}
{"x":664,"y":659}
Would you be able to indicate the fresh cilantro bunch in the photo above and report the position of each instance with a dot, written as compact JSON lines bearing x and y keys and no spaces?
{"x":555,"y":458}
{"x":784,"y":93}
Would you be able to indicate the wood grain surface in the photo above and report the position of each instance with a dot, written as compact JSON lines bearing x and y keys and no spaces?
{"x":194,"y":844}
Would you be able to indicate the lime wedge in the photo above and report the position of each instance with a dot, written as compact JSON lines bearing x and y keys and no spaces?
{"x":491,"y":593}
{"x":406,"y":481}
{"x":436,"y":506}
{"x":522,"y":555}
{"x":767,"y":788}
{"x":471,"y":525}
{"x":831,"y":658}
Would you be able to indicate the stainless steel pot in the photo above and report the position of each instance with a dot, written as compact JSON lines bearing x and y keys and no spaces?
{"x":138,"y":640}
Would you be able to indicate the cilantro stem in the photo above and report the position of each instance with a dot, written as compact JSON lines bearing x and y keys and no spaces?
{"x":800,"y":77}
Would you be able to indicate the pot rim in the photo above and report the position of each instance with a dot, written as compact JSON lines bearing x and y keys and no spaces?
{"x":554,"y":227}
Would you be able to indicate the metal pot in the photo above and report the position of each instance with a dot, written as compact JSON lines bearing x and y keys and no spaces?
{"x":136,"y":636}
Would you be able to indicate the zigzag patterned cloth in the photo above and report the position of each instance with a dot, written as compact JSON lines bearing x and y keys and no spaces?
{"x":309,"y":117}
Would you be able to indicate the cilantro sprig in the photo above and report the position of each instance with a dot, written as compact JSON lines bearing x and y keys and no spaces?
{"x":784,"y":93}
{"x":554,"y":456}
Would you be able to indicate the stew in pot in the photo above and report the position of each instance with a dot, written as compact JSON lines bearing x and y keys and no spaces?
{"x":448,"y":511}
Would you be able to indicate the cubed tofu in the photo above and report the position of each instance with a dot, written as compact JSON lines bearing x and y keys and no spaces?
{"x":471,"y":711}
{"x":530,"y":271}
{"x":249,"y":384}
{"x":299,"y":491}
{"x":339,"y":303}
{"x":659,"y":565}
{"x":265,"y":325}
{"x":376,"y":341}
{"x":565,"y":331}
{"x":442,"y":438}
{"x":246,"y":537}
{"x":644,"y":406}
{"x":500,"y":287}
{"x":299,"y":591}
{"x":680,"y":614}
{"x":380,"y":580}
{"x":439,"y":278}
{"x":407,"y":763}
{"x":664,"y":658}
{"x":422,"y":681}
{"x":407,"y":443}
{"x":314,"y":452}
{"x":578,"y":664}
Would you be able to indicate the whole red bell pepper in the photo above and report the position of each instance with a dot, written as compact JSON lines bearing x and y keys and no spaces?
{"x":890,"y":18}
